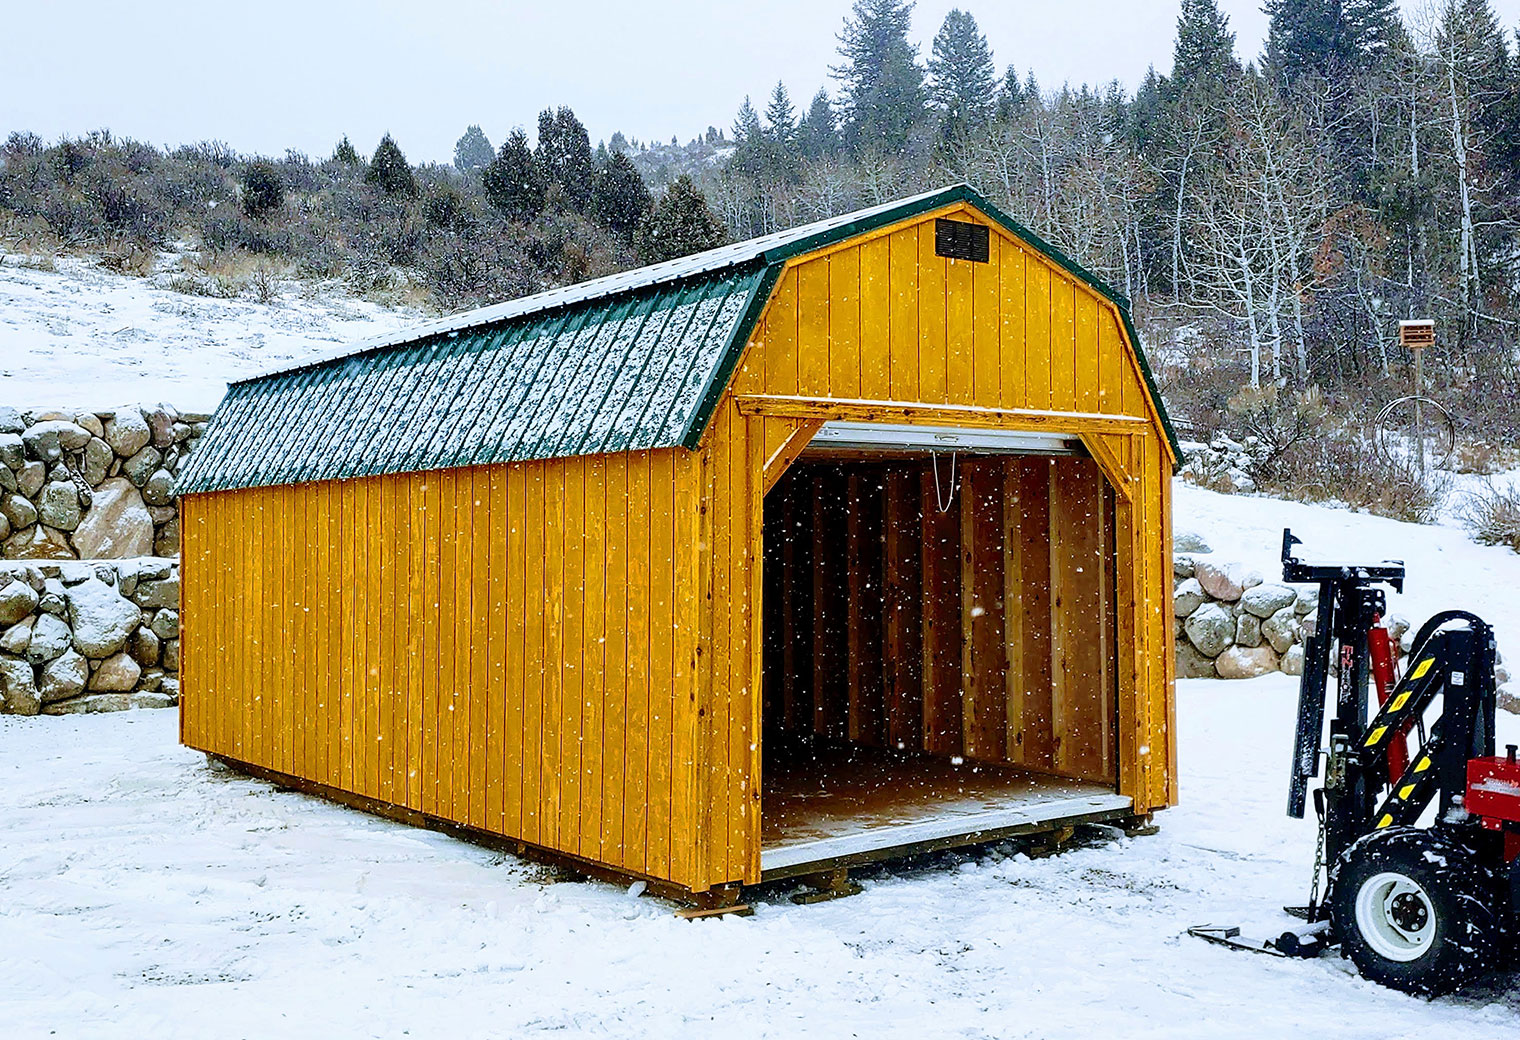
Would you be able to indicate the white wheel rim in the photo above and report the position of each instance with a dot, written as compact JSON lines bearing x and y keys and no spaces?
{"x":1396,"y":916}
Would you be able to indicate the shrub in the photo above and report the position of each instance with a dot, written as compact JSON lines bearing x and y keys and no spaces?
{"x":1492,"y":513}
{"x":389,"y":171}
{"x":263,"y":190}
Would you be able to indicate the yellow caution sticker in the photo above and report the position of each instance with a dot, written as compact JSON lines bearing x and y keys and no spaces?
{"x":1385,"y":821}
{"x":1399,"y":701}
{"x":1375,"y":736}
{"x":1422,"y":765}
{"x":1421,"y":668}
{"x":1406,"y":791}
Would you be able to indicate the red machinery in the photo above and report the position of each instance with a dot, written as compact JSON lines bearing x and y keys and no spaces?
{"x":1421,"y":850}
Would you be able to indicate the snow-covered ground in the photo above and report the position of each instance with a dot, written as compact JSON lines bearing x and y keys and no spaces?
{"x":144,"y":894}
{"x":85,"y":337}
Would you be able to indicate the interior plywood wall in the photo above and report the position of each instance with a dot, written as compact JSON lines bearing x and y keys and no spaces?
{"x":983,"y":629}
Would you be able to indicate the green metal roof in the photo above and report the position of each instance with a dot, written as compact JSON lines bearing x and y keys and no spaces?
{"x":634,"y":361}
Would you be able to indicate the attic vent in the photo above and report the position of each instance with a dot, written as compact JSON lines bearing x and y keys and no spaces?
{"x":961,"y":240}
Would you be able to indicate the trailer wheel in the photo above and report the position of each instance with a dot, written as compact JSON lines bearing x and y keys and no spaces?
{"x":1415,"y":911}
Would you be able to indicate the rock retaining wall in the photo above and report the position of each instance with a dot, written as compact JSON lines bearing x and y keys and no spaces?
{"x":92,"y":485}
{"x":1230,"y":623}
{"x":98,"y":636}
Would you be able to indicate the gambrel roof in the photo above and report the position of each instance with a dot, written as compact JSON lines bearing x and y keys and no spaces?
{"x":633,"y":361}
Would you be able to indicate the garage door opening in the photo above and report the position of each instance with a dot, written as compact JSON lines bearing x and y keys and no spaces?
{"x":940,"y":661}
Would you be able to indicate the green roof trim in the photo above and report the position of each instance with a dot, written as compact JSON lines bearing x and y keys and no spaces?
{"x":634,"y":361}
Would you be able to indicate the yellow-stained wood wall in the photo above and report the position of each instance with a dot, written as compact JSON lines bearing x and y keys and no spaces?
{"x":418,"y":639}
{"x":568,"y":652}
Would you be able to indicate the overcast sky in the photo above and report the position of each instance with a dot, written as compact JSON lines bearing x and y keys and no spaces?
{"x":274,"y":74}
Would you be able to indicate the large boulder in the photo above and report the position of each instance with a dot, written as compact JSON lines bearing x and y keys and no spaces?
{"x":101,"y":618}
{"x":1247,"y":630}
{"x":17,"y":600}
{"x":90,"y":421}
{"x":58,"y":505}
{"x":1191,"y":664}
{"x":166,"y":541}
{"x":50,"y":638}
{"x":17,"y":638}
{"x":1224,"y":581}
{"x":12,"y":451}
{"x":127,"y":432}
{"x":1293,"y":660}
{"x":158,"y":489}
{"x":1307,"y":601}
{"x":10,"y":420}
{"x":142,"y":465}
{"x":49,"y":440}
{"x":143,"y":646}
{"x":1190,"y":542}
{"x":155,"y":595}
{"x":117,"y":673}
{"x":1210,"y":628}
{"x":161,"y":419}
{"x":1266,"y":600}
{"x":165,"y":625}
{"x":1183,"y":566}
{"x":117,"y":524}
{"x":1188,"y":597}
{"x":30,"y":478}
{"x":63,"y":677}
{"x":1246,"y":662}
{"x":18,"y":687}
{"x":19,"y":510}
{"x":1281,"y":629}
{"x":97,"y":461}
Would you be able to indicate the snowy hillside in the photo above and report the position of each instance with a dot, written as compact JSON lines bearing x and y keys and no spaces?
{"x":83,"y":336}
{"x":147,"y":894}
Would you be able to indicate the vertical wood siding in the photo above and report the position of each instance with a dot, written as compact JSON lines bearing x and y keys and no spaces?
{"x":510,"y":647}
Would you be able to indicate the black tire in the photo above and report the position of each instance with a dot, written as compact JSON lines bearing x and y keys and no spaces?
{"x":1415,"y":911}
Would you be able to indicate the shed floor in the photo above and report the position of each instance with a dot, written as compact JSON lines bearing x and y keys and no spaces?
{"x":832,"y":806}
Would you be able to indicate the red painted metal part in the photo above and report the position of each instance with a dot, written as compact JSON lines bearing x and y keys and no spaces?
{"x":1380,"y":656}
{"x":1493,"y":795}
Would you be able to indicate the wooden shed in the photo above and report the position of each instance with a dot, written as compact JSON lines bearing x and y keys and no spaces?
{"x":840,"y":543}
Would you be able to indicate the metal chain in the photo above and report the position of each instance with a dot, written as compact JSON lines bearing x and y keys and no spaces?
{"x":1319,"y":865}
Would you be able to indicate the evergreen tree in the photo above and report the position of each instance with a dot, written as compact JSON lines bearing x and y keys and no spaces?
{"x":1010,"y":95}
{"x":781,"y":117}
{"x":1373,"y":26}
{"x":1331,"y":39}
{"x":1205,"y":50}
{"x":817,"y":135}
{"x":962,"y":78}
{"x":881,"y":80}
{"x":747,"y":126}
{"x":679,"y":224}
{"x":513,"y":182}
{"x":564,"y":156}
{"x":263,"y":190}
{"x":472,"y":151}
{"x":389,"y":171}
{"x":619,"y":198}
{"x":345,"y":153}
